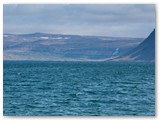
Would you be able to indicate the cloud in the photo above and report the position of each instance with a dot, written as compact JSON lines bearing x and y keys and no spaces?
{"x":86,"y":19}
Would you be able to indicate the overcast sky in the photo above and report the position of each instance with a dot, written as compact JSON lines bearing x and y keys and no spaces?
{"x":102,"y":20}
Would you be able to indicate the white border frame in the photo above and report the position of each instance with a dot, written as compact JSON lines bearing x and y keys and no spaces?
{"x":157,"y":83}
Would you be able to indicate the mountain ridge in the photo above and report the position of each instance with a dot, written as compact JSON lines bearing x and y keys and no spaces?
{"x":42,"y":46}
{"x":145,"y":51}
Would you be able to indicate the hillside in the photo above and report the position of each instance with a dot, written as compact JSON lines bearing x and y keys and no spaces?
{"x":42,"y":46}
{"x":143,"y":52}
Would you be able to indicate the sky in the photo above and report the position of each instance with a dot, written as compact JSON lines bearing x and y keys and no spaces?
{"x":115,"y":20}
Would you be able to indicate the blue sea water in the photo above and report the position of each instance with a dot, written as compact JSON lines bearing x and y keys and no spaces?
{"x":36,"y":88}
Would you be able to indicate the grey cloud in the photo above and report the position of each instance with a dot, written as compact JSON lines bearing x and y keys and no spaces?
{"x":80,"y":19}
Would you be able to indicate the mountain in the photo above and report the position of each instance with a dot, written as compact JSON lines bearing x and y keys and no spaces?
{"x":143,"y":52}
{"x":43,"y":46}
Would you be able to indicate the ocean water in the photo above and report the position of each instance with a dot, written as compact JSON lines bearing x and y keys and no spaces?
{"x":33,"y":88}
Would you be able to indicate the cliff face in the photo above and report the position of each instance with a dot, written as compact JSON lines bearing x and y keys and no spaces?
{"x":143,"y":52}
